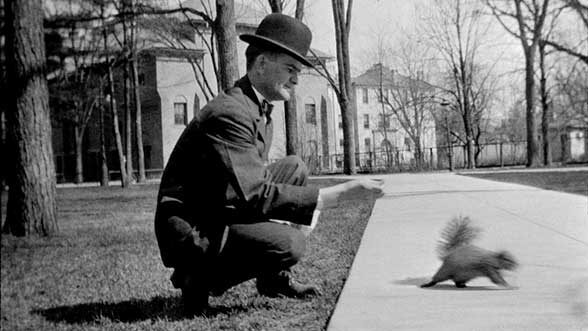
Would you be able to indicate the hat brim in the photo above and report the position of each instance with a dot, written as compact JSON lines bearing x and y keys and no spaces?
{"x":268,"y":44}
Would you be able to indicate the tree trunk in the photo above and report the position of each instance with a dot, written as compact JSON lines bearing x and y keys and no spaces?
{"x":275,"y":6}
{"x":227,"y":43}
{"x":418,"y":153}
{"x":2,"y":152}
{"x":128,"y":125}
{"x":78,"y":137}
{"x":290,"y":117}
{"x":299,"y":14}
{"x":113,"y":108}
{"x":137,"y":96}
{"x":138,"y":123}
{"x":115,"y":124}
{"x":545,"y":114}
{"x":345,"y":95}
{"x":532,"y":148}
{"x":31,"y":202}
{"x":104,"y":177}
{"x":127,"y":48}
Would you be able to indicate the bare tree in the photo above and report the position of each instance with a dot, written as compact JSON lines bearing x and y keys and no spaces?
{"x":577,"y":47}
{"x":342,"y":18}
{"x":529,"y":17}
{"x":409,"y":96}
{"x":110,"y":62}
{"x":31,"y":202}
{"x":570,"y":96}
{"x":134,"y":79}
{"x":455,"y":29}
{"x":3,"y":105}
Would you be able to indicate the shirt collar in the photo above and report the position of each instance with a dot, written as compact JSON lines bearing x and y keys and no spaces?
{"x":260,"y":97}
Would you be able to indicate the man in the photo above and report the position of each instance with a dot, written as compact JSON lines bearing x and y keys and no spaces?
{"x":217,"y":196}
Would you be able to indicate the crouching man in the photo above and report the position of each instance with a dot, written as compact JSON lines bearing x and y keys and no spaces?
{"x":217,"y":197}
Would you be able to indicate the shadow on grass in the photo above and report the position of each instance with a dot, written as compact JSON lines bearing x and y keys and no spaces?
{"x":167,"y":308}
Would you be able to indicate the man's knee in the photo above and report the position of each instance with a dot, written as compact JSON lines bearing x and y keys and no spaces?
{"x":291,"y":170}
{"x":295,"y":246}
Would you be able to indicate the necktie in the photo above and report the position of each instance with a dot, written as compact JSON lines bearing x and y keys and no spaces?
{"x":266,"y":109}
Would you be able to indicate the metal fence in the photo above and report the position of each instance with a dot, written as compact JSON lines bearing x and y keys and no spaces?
{"x":397,"y":160}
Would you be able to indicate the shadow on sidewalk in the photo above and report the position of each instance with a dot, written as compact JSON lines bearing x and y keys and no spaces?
{"x":448,"y":287}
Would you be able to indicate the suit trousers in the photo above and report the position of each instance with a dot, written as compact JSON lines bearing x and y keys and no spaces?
{"x":263,"y":248}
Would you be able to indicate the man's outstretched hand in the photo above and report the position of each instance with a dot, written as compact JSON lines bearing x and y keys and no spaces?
{"x":329,"y":196}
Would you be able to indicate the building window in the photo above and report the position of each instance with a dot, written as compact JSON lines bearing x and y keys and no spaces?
{"x":365,"y":95}
{"x":142,"y":79}
{"x":180,"y":113}
{"x":368,"y":144}
{"x":366,"y":121}
{"x":310,"y":113}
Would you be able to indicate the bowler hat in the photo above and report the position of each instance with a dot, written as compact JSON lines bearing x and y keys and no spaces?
{"x":282,"y":33}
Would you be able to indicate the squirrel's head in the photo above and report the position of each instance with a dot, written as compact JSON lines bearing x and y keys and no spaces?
{"x":506,"y":260}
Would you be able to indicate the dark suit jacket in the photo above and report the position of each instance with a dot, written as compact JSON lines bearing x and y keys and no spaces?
{"x":216,"y":176}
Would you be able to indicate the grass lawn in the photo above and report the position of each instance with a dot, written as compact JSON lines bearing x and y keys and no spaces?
{"x":564,"y":181}
{"x":103,"y":271}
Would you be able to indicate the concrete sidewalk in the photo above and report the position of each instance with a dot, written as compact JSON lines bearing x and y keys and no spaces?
{"x":546,"y":231}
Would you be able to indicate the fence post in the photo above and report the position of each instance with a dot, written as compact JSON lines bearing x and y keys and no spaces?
{"x":501,"y":158}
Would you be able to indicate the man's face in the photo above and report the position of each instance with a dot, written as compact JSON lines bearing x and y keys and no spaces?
{"x":279,"y":74}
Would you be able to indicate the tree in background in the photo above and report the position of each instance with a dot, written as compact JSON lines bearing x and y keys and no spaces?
{"x":74,"y":88}
{"x":3,"y":104}
{"x":576,"y":47}
{"x":409,"y":95}
{"x":456,"y":31}
{"x":344,"y":92}
{"x":31,"y":202}
{"x":110,"y":59}
{"x":529,"y":18}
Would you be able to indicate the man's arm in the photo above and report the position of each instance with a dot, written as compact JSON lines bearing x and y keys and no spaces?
{"x":232,"y":133}
{"x":329,"y":196}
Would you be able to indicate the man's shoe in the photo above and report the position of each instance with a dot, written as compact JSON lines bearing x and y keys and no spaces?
{"x":195,"y":301}
{"x":282,"y":285}
{"x":194,"y":294}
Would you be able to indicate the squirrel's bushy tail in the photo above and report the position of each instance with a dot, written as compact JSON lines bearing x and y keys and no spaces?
{"x":458,"y":232}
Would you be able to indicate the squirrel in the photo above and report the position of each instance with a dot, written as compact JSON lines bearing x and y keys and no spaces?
{"x":463,"y":261}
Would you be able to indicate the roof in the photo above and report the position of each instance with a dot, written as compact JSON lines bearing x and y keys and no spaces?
{"x":174,"y":52}
{"x":388,"y":77}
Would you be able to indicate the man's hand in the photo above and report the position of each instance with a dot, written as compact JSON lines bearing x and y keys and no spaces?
{"x":374,"y":185}
{"x":329,"y":196}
